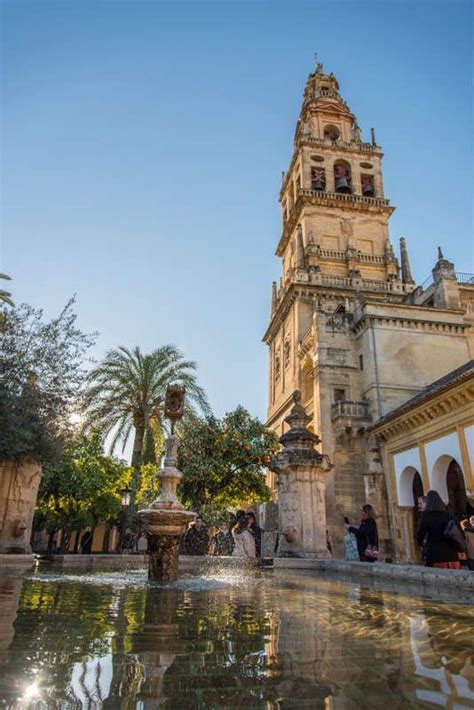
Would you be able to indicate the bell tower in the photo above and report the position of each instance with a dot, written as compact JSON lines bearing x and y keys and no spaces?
{"x":332,"y":193}
{"x":335,"y":253}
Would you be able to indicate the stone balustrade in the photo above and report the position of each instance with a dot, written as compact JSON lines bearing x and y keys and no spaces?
{"x":327,"y":142}
{"x":347,"y":408}
{"x":343,"y":197}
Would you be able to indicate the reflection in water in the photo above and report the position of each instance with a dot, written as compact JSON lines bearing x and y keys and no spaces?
{"x":279,"y":640}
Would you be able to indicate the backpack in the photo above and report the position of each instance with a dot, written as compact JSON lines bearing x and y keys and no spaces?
{"x":454,"y":536}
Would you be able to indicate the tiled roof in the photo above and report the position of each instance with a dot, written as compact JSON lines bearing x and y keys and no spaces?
{"x":454,"y":377}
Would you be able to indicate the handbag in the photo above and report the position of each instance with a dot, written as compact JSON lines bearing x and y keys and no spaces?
{"x":371,"y":552}
{"x":454,"y":536}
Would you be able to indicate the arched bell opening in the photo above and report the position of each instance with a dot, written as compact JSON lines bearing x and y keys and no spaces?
{"x":331,"y":132}
{"x":342,"y":177}
{"x":367,"y":185}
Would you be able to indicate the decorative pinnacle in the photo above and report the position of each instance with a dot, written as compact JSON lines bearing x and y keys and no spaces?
{"x":274,"y":297}
{"x":300,"y":256}
{"x":440,"y":254}
{"x":407,"y":278}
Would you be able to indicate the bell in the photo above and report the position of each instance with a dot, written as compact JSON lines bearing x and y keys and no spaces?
{"x":342,"y":185}
{"x":318,"y":184}
{"x":368,"y":190}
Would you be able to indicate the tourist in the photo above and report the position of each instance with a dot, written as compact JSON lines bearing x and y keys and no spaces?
{"x":256,"y":531}
{"x":244,"y":541}
{"x":223,"y":542}
{"x":366,"y":535}
{"x":196,"y":540}
{"x":469,"y":535}
{"x":438,"y":550}
{"x":86,"y":542}
{"x":467,"y":558}
{"x":421,"y":509}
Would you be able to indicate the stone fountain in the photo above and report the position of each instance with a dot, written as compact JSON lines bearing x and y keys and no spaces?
{"x":166,"y":520}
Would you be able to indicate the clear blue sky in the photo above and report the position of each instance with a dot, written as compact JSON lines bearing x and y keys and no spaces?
{"x":144,"y":142}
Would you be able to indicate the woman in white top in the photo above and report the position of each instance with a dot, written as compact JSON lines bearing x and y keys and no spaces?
{"x":243,"y":538}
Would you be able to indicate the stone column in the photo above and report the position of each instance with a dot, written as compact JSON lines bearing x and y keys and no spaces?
{"x":302,"y":475}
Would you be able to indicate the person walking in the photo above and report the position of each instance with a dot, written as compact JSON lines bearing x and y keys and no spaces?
{"x":223,"y":542}
{"x":196,"y":540}
{"x":256,"y":531}
{"x":366,"y":535}
{"x":244,"y":541}
{"x":439,"y":550}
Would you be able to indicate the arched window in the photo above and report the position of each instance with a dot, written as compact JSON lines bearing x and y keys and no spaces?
{"x":342,"y":177}
{"x":331,"y":132}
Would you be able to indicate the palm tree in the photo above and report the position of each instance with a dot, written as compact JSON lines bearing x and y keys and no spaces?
{"x":126,"y":392}
{"x":5,"y":295}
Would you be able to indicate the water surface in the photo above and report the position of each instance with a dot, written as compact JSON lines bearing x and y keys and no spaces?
{"x":230,"y":639}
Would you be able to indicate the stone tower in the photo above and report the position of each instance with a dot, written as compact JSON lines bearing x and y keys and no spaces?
{"x":342,"y":321}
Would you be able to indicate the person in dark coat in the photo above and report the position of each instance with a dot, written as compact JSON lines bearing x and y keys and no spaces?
{"x":438,"y":551}
{"x":223,"y":542}
{"x":196,"y":540}
{"x":256,"y":531}
{"x":366,"y":534}
{"x":86,"y":542}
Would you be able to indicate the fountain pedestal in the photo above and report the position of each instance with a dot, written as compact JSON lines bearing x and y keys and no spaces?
{"x":302,"y":473}
{"x":165,"y":521}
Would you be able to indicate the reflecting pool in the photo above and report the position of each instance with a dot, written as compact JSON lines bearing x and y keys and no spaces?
{"x":229,"y":639}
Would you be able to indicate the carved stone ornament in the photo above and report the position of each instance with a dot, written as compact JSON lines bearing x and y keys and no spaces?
{"x":174,"y":402}
{"x":277,"y":366}
{"x":287,"y":351}
{"x":346,"y":227}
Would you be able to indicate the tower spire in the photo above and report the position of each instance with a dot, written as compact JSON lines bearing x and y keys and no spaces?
{"x":407,"y":278}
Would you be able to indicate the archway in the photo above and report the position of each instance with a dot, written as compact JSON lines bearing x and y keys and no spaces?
{"x":410,"y":487}
{"x":456,"y":490}
{"x":448,"y":480}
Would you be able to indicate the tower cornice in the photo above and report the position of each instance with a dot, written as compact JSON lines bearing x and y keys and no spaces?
{"x":336,"y":287}
{"x":306,"y":196}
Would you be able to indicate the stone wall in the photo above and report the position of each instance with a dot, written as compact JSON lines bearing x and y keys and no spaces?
{"x":18,"y":492}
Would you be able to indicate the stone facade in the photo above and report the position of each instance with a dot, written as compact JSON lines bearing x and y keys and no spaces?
{"x":18,"y":492}
{"x":428,"y":444}
{"x":349,"y":328}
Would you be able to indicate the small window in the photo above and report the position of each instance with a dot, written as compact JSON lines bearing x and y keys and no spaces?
{"x":361,"y":362}
{"x":339,"y":395}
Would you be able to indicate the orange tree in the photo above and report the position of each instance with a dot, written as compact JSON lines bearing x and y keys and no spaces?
{"x":223,"y":460}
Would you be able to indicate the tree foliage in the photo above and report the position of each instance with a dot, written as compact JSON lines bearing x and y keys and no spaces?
{"x":43,"y":376}
{"x":223,"y":460}
{"x":82,"y":489}
{"x":126,"y":393}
